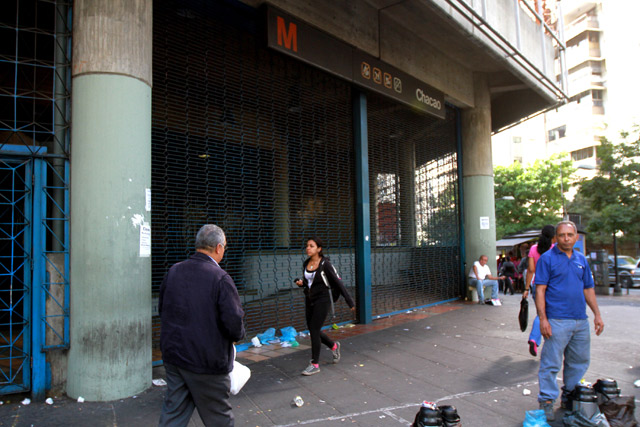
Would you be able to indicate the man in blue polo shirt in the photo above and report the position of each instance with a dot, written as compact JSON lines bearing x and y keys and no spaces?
{"x":564,"y":287}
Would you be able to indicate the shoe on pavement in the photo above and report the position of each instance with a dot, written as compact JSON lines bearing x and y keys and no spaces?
{"x":547,"y":407}
{"x":533,"y":348}
{"x":566,"y":401}
{"x":336,"y":353}
{"x":310,"y":370}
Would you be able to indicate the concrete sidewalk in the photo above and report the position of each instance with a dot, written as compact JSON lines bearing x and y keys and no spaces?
{"x":468,"y":355}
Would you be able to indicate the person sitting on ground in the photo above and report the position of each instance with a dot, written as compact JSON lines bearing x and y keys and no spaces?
{"x":480,"y":276}
{"x":508,"y":270}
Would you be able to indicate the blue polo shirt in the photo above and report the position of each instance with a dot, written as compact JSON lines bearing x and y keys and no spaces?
{"x":566,"y":279}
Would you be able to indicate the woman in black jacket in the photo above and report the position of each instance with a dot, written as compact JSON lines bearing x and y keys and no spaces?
{"x":319,"y":276}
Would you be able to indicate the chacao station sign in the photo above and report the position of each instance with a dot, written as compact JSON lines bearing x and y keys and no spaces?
{"x":300,"y":40}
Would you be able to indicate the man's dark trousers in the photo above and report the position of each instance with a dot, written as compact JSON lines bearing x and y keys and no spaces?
{"x":187,"y":390}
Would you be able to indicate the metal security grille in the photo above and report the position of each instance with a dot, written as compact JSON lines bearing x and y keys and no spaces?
{"x":15,"y":274}
{"x":255,"y":142}
{"x":34,"y":180}
{"x":413,"y":176}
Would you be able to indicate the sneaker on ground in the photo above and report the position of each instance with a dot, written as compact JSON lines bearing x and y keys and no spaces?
{"x":336,"y":353}
{"x":310,"y":370}
{"x":547,"y":407}
{"x":533,"y":348}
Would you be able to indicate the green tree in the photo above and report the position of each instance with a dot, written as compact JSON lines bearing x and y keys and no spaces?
{"x":612,"y":197}
{"x":536,"y":191}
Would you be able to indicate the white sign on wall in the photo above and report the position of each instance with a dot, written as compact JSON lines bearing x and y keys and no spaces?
{"x":484,"y":223}
{"x":145,"y":240}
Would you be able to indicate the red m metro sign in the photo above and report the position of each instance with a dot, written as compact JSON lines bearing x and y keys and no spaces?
{"x":287,"y":35}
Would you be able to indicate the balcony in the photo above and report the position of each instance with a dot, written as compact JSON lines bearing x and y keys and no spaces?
{"x":583,"y":24}
{"x":582,"y":52}
{"x":586,"y":78}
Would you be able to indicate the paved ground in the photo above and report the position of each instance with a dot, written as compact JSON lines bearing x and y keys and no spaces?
{"x":468,"y":355}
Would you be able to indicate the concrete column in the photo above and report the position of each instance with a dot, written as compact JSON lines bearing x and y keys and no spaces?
{"x":479,"y":205}
{"x":110,"y":354}
{"x":407,"y":195}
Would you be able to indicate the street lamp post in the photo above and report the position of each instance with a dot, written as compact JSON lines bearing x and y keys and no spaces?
{"x":617,"y":290}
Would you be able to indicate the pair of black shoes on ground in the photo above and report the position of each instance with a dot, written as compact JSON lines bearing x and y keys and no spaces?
{"x":431,"y":415}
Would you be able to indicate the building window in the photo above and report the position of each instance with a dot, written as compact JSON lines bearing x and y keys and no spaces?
{"x":557,"y":133}
{"x":517,"y":139}
{"x":596,"y":96}
{"x":582,"y":154}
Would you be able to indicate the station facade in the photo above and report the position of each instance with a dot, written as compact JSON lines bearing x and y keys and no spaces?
{"x":366,"y":124}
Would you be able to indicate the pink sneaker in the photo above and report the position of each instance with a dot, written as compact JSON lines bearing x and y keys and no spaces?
{"x":533,"y":348}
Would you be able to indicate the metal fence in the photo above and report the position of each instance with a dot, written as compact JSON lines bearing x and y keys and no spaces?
{"x":35,"y":60}
{"x":262,"y":145}
{"x":415,"y":219}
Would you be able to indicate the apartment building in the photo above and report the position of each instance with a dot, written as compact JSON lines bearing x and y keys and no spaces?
{"x":601,"y":56}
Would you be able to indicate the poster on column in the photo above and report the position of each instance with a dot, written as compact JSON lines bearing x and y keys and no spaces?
{"x":145,"y":240}
{"x":484,"y":223}
{"x":147,"y":199}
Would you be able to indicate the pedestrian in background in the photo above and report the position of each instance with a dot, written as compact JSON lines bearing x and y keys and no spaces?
{"x":201,"y":318}
{"x":507,"y":270}
{"x":480,"y":275}
{"x":322,"y":287}
{"x":564,"y":287}
{"x":546,"y":241}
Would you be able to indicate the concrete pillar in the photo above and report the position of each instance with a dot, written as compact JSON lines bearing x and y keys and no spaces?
{"x":479,"y":204}
{"x":110,"y":271}
{"x":407,"y":194}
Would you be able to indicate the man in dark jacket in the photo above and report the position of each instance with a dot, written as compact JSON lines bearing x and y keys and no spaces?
{"x":201,"y":318}
{"x":508,"y":270}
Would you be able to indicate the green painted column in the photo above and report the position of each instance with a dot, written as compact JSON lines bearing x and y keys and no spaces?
{"x":110,"y":354}
{"x":479,"y":205}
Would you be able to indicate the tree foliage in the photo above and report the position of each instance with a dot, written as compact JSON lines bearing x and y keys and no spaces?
{"x":536,"y":191}
{"x":611,"y":199}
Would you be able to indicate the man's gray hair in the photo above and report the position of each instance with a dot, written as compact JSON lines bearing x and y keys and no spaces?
{"x":209,"y":237}
{"x":569,"y":223}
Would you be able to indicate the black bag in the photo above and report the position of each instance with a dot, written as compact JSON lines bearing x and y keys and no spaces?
{"x":523,"y":316}
{"x":620,"y":411}
{"x":334,"y":293}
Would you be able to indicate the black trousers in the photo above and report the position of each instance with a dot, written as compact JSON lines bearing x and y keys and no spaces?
{"x":316,"y":313}
{"x":508,"y":285}
{"x":187,"y":390}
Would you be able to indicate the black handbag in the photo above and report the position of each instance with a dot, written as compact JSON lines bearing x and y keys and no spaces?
{"x":523,"y":316}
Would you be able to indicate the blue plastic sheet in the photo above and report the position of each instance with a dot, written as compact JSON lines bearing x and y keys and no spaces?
{"x":288,"y":334}
{"x":535,"y":419}
{"x":242,"y":347}
{"x":268,"y":335}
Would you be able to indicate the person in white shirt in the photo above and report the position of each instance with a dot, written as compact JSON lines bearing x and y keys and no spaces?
{"x":480,"y":276}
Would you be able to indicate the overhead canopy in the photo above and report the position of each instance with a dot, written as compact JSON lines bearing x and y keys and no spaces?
{"x":515,"y":241}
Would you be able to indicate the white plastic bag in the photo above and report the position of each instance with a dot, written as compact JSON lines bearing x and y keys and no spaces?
{"x":239,"y":375}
